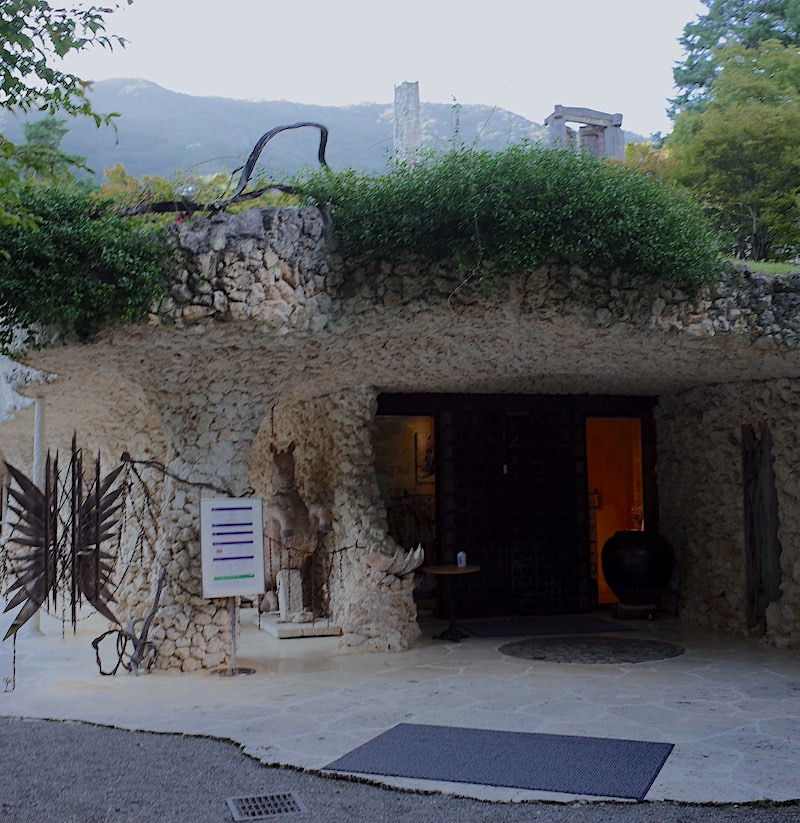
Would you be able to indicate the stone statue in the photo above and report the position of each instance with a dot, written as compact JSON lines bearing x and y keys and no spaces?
{"x":292,"y":532}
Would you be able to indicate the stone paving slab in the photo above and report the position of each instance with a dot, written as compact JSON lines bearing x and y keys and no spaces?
{"x":731,"y":707}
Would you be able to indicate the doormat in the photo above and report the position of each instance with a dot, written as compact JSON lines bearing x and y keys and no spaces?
{"x":597,"y":766}
{"x":594,"y":649}
{"x":563,"y":624}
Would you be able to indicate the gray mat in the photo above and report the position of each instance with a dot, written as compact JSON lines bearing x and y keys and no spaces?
{"x":529,"y":627}
{"x":597,"y":766}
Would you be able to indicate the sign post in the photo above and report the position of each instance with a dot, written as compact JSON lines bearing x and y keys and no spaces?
{"x":232,"y":554}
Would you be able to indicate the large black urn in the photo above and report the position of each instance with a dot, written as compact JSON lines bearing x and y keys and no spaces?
{"x":637,"y":566}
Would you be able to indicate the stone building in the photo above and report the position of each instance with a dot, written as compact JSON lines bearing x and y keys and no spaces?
{"x":521,"y":426}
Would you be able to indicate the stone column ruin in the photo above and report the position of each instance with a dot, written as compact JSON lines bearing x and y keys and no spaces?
{"x":600,"y":134}
{"x":407,"y":122}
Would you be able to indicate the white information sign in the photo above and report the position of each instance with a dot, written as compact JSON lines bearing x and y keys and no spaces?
{"x":232,"y":546}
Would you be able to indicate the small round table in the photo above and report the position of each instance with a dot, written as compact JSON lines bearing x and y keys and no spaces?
{"x":447,"y":571}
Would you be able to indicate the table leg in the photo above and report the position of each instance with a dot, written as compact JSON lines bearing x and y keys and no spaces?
{"x":452,"y":632}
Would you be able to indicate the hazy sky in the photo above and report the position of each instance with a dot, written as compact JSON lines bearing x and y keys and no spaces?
{"x":521,"y":55}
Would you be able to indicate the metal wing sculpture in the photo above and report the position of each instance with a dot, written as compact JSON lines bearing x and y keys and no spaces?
{"x":52,"y":554}
{"x":34,"y":559}
{"x":92,"y":567}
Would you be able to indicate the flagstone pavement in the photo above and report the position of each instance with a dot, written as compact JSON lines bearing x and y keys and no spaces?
{"x":730,"y":706}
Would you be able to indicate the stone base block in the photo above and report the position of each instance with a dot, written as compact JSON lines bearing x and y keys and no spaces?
{"x":286,"y":631}
{"x":290,"y":593}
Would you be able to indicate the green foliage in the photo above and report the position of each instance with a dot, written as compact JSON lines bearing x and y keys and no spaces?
{"x":52,"y":164}
{"x":518,"y":209}
{"x":741,"y":155}
{"x":128,"y":192}
{"x":13,"y":160}
{"x":79,"y":269}
{"x":728,"y":22}
{"x":34,"y":37}
{"x":47,"y":132}
{"x":648,"y":158}
{"x":771,"y":268}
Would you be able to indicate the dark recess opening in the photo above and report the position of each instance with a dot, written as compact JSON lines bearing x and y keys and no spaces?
{"x":761,"y":521}
{"x":511,"y":491}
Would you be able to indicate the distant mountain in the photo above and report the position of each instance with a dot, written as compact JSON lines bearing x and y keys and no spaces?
{"x":161,"y":131}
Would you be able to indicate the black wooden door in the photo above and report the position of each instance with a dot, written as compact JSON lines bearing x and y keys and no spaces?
{"x":512,"y":496}
{"x":472,"y":507}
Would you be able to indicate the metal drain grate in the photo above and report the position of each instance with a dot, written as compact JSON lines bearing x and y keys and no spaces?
{"x":260,"y":806}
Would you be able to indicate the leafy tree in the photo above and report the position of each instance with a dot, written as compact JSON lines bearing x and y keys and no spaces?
{"x":728,"y":22}
{"x":34,"y":36}
{"x":48,"y":132}
{"x":741,"y":155}
{"x":64,"y":261}
{"x":53,"y":164}
{"x":120,"y":186}
{"x":648,"y":158}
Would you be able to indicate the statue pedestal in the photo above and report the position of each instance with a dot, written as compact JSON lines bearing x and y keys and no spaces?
{"x":290,"y":593}
{"x":321,"y":627}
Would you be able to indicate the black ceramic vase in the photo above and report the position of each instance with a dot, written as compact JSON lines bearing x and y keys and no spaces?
{"x":637,"y":566}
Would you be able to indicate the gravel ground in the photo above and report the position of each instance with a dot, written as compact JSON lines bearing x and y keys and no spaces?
{"x":65,"y":772}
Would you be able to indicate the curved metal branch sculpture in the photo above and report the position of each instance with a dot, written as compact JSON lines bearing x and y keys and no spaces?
{"x":250,"y":164}
{"x":185,"y":206}
{"x":144,"y":650}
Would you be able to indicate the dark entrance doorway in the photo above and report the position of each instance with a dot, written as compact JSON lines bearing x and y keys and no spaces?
{"x":511,"y":492}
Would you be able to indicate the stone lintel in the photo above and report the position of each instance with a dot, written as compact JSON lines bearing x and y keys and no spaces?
{"x":591,"y":117}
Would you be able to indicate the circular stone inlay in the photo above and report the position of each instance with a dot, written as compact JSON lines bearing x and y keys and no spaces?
{"x":591,"y":649}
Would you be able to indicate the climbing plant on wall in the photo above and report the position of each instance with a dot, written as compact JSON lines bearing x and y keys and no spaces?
{"x":520,"y":208}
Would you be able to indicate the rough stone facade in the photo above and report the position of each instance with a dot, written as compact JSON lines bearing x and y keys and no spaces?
{"x":263,"y":265}
{"x":270,"y":334}
{"x":334,"y":466}
{"x":700,"y":490}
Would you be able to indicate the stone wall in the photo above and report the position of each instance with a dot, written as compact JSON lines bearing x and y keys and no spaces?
{"x":269,"y":332}
{"x":334,"y":466}
{"x":264,"y":265}
{"x":279,"y":267}
{"x":211,"y":426}
{"x":702,"y":501}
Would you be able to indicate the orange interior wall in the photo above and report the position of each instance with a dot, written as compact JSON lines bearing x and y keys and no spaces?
{"x":398,"y":468}
{"x":614,"y":457}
